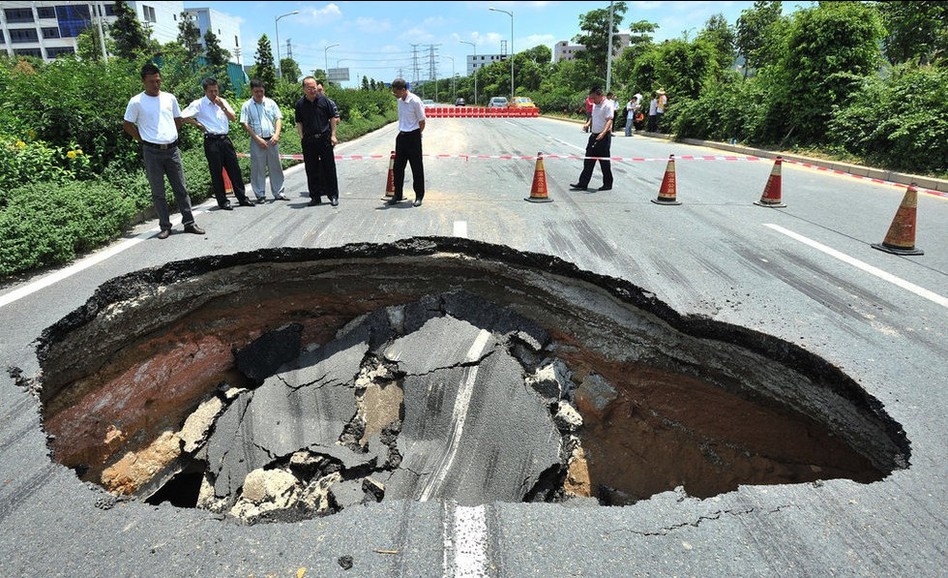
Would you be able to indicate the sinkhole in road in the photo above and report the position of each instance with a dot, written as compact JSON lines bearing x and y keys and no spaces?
{"x":284,"y":384}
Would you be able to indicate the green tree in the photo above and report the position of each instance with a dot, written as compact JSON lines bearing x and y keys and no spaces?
{"x":130,"y":39}
{"x":540,"y":54}
{"x":263,"y":62}
{"x":595,"y":36}
{"x":757,"y":29}
{"x":722,"y":37}
{"x":88,"y":45}
{"x":189,"y":36}
{"x":916,"y":30}
{"x":640,"y":41}
{"x":291,"y":70}
{"x":829,"y":49}
{"x":215,"y":54}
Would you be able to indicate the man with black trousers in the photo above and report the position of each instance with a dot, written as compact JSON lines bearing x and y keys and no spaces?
{"x":317,"y":132}
{"x":411,"y":123}
{"x":212,"y":114}
{"x":599,"y":143}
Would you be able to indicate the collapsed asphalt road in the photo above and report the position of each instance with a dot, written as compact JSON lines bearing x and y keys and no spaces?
{"x":290,"y":383}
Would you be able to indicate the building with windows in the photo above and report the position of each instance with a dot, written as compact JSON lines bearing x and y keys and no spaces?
{"x":482,"y":60}
{"x":563,"y":50}
{"x":48,"y":29}
{"x":226,"y":28}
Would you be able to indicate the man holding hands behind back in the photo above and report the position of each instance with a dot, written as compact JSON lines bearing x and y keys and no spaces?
{"x":411,"y":123}
{"x":317,"y":130}
{"x":212,"y":114}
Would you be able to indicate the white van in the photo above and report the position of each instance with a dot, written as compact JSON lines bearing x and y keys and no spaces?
{"x":498,"y":102}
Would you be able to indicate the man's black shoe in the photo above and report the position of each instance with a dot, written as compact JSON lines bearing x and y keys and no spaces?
{"x":577,"y":188}
{"x":226,"y":206}
{"x":334,"y":202}
{"x":164,"y":234}
{"x":194,"y":229}
{"x":246,"y":203}
{"x":393,"y":201}
{"x":604,"y":188}
{"x":315,"y":201}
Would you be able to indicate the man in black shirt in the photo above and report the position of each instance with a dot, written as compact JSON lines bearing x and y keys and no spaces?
{"x":317,"y":132}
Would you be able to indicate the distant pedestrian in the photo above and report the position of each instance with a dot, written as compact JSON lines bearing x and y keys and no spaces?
{"x":263,"y":121}
{"x":653,"y":113}
{"x":660,"y":108}
{"x":589,"y":111}
{"x":153,"y":118}
{"x":317,"y":131}
{"x":599,"y":143}
{"x":212,"y":114}
{"x":631,"y":109}
{"x":615,"y":108}
{"x":411,"y":123}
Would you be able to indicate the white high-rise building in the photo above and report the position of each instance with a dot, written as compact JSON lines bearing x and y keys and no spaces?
{"x":48,"y":29}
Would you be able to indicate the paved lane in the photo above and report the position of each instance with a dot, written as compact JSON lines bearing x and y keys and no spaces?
{"x":716,"y":255}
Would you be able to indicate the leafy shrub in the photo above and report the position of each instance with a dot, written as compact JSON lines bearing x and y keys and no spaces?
{"x":50,"y":223}
{"x":70,"y":102}
{"x":24,"y":162}
{"x":900,"y":122}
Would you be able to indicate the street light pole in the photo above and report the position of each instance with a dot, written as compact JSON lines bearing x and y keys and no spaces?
{"x":511,"y":49}
{"x":326,"y":55}
{"x":454,"y":90}
{"x":475,"y":68}
{"x":276,"y":24}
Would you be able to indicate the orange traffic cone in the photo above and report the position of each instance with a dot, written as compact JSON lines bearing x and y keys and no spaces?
{"x":771,"y":195}
{"x":538,"y":192}
{"x":901,"y":236}
{"x":390,"y":183}
{"x":667,"y":192}
{"x":228,"y":186}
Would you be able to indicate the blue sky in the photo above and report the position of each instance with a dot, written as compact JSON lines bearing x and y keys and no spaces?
{"x":375,"y":38}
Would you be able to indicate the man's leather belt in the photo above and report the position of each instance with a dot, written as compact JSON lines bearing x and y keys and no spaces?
{"x":163,"y":147}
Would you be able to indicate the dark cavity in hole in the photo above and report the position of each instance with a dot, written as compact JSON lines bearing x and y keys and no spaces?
{"x":290,"y":383}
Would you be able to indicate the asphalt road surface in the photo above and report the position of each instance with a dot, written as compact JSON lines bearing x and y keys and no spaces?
{"x":805,"y":273}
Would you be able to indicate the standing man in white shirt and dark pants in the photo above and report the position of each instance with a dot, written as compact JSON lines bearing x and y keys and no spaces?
{"x":212,"y":114}
{"x":153,"y":118}
{"x":411,"y":123}
{"x":599,"y":144}
{"x":263,"y":121}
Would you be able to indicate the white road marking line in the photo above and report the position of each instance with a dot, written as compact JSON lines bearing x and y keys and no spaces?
{"x":458,"y":416}
{"x":920,"y":291}
{"x":460,"y":229}
{"x":83,"y":264}
{"x":76,"y":267}
{"x":470,"y":541}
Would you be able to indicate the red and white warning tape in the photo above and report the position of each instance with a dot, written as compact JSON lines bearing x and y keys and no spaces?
{"x":751,"y":158}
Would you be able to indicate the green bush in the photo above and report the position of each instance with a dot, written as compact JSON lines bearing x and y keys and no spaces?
{"x":28,"y":162}
{"x":50,"y":223}
{"x":70,"y":102}
{"x":899,"y":123}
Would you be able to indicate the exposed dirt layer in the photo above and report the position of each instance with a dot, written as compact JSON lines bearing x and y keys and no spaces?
{"x":287,"y":383}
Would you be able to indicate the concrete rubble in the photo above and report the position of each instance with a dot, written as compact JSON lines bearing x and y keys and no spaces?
{"x":484,"y":374}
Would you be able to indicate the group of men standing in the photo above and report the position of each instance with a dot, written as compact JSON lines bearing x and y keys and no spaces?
{"x":154,"y":119}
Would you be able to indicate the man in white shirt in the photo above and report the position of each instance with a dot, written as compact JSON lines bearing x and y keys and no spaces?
{"x":411,"y":123}
{"x":212,"y":114}
{"x":599,"y":145}
{"x":263,"y":121}
{"x":153,"y":118}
